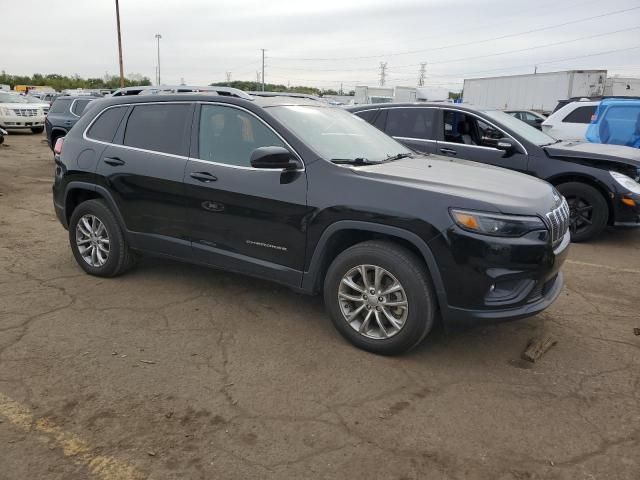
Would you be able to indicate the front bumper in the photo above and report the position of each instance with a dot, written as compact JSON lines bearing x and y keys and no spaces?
{"x":627,"y":210}
{"x":15,"y":121}
{"x":489,"y":279}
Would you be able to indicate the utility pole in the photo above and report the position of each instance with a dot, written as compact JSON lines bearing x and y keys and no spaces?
{"x":383,"y":73}
{"x":119,"y":45}
{"x":228,"y":79}
{"x":341,"y":91}
{"x":262,"y":69}
{"x":535,"y":69}
{"x":158,"y":37}
{"x":421,"y":75}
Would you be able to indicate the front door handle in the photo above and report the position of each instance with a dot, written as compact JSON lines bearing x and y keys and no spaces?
{"x":448,"y":151}
{"x":113,"y":161}
{"x":203,"y":177}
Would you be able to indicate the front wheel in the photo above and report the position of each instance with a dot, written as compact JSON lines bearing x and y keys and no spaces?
{"x":380,"y":297}
{"x":589,"y":212}
{"x":37,"y":130}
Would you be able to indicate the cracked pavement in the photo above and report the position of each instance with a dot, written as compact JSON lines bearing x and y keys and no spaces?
{"x":182,"y":372}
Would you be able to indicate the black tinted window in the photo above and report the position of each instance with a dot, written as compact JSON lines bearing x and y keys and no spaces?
{"x":160,"y":128}
{"x":580,"y":115}
{"x":380,"y":120}
{"x":79,"y":106}
{"x":410,"y":122}
{"x":104,"y":128}
{"x":60,"y":105}
{"x":367,"y":115}
{"x":228,"y":135}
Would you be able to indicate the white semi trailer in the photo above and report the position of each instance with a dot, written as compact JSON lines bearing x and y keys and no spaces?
{"x":539,"y":91}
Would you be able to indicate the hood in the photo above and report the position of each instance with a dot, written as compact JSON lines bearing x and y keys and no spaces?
{"x":21,"y":106}
{"x":506,"y":191}
{"x":597,"y":152}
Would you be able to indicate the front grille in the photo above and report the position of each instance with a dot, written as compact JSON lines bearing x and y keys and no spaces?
{"x":558,"y":221}
{"x":25,"y":112}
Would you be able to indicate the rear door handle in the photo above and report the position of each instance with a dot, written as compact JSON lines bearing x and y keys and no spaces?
{"x":203,"y":177}
{"x":113,"y":161}
{"x":448,"y":151}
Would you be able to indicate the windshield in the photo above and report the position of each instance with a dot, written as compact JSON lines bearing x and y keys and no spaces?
{"x":33,"y":100}
{"x":526,"y":131}
{"x":335,"y":134}
{"x":11,"y":98}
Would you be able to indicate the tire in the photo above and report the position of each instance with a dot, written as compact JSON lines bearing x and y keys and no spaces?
{"x":37,"y":129}
{"x":119,"y":257}
{"x":403,"y":266}
{"x":589,"y":210}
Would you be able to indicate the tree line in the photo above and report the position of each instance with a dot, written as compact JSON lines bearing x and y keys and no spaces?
{"x":63,"y":82}
{"x":249,"y":86}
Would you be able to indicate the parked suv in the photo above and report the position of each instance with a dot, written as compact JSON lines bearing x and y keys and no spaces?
{"x":308,"y":195}
{"x":600,"y":182}
{"x":571,"y":121}
{"x":63,"y":114}
{"x":17,"y":113}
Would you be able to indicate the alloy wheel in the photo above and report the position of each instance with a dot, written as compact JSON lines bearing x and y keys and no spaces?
{"x":373,"y":301}
{"x":92,"y":240}
{"x":581,"y":214}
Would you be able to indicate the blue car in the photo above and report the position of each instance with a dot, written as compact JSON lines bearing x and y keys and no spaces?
{"x":616,"y":121}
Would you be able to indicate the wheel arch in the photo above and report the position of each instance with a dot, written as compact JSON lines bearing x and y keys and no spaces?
{"x":78,"y":192}
{"x":345,"y":233}
{"x":592,"y":182}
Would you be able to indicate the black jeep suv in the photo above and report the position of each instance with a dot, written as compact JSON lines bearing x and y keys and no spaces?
{"x":310,"y":196}
{"x":63,"y":114}
{"x":600,"y":182}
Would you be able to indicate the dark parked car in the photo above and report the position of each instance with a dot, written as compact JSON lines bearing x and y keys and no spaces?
{"x":600,"y":182}
{"x":529,"y":117}
{"x":63,"y":114}
{"x":310,"y":196}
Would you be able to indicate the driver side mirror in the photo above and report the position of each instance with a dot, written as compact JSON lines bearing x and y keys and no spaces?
{"x":273,"y":158}
{"x":504,"y":144}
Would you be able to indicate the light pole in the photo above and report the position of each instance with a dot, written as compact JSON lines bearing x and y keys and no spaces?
{"x":119,"y":45}
{"x":158,"y":37}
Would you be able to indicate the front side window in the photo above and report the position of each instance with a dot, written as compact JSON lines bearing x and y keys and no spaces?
{"x":229,"y":135}
{"x":60,"y":105}
{"x":159,"y":128}
{"x":467,"y":129}
{"x":580,"y":115}
{"x":410,"y":122}
{"x":104,"y":128}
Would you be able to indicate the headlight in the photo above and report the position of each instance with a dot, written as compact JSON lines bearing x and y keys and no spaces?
{"x":627,"y":182}
{"x":496,"y":224}
{"x":5,"y":111}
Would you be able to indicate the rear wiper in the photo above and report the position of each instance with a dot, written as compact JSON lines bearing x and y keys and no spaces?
{"x":352,"y":161}
{"x":398,"y":156}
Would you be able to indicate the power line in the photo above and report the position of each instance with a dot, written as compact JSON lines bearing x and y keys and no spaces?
{"x":464,"y":44}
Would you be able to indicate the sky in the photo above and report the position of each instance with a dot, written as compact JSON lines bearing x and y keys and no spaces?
{"x":322,"y":43}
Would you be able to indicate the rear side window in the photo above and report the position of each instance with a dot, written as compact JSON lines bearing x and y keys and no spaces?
{"x":367,"y":115}
{"x":410,"y":122}
{"x":580,"y":115}
{"x":61,"y":105}
{"x":104,"y":128}
{"x":79,"y":105}
{"x":159,"y":128}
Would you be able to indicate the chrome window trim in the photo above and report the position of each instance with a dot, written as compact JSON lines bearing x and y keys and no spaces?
{"x":427,"y":140}
{"x":182,"y":157}
{"x":473,"y":146}
{"x":74,"y":102}
{"x":485,"y":121}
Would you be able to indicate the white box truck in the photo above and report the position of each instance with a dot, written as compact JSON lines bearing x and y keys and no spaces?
{"x":540,"y":91}
{"x":622,"y":87}
{"x":365,"y":95}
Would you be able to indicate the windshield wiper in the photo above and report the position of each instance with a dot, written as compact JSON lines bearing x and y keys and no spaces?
{"x":352,"y":161}
{"x":398,"y":157}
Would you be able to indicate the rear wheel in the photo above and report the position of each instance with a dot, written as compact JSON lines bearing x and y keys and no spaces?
{"x":37,"y":129}
{"x":379,"y":297}
{"x":97,"y":241}
{"x":589,"y":210}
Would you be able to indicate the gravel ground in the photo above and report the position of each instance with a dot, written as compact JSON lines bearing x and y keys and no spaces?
{"x":174,"y":371}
